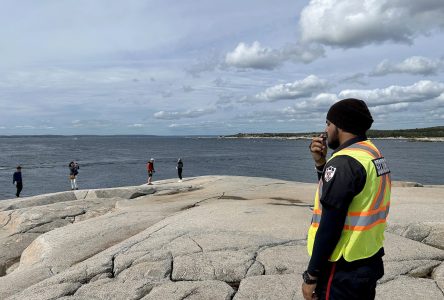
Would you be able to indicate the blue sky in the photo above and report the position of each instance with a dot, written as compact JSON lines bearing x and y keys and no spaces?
{"x":216,"y":67}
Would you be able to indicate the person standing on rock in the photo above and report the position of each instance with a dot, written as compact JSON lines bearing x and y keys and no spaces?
{"x":150,"y":169}
{"x":17,"y":180}
{"x":345,"y":238}
{"x":73,"y":172}
{"x":179,"y":168}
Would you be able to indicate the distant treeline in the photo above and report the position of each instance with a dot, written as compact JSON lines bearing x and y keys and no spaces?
{"x":437,"y":131}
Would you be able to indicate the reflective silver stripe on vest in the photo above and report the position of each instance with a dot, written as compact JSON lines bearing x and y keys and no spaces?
{"x":321,"y":184}
{"x":366,"y":220}
{"x":316,"y":218}
{"x":363,"y":147}
{"x":381,"y":192}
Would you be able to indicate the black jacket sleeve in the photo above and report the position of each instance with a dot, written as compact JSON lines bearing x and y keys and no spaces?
{"x":343,"y":178}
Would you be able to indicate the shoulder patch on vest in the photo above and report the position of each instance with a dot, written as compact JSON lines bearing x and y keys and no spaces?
{"x":381,"y":166}
{"x":329,"y":173}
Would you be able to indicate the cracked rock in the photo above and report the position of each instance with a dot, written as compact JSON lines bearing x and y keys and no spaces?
{"x":184,"y":244}
{"x":228,"y":266}
{"x":270,"y":287}
{"x":255,"y":269}
{"x":191,"y":290}
{"x":405,"y":287}
{"x":438,"y":276}
{"x":284,"y":259}
{"x":115,"y":289}
{"x":414,"y":268}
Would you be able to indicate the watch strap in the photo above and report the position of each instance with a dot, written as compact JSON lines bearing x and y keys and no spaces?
{"x":307,"y":279}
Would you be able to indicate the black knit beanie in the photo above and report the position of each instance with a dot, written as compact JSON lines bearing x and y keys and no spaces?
{"x":351,"y":115}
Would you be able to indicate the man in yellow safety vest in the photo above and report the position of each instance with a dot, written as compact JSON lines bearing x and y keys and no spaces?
{"x":346,"y":235}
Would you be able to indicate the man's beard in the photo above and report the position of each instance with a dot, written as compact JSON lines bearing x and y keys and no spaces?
{"x":334,"y":144}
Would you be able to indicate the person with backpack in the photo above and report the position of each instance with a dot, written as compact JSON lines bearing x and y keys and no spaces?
{"x":73,"y":172}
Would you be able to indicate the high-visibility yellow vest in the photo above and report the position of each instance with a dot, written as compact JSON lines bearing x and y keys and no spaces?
{"x":363,"y":232}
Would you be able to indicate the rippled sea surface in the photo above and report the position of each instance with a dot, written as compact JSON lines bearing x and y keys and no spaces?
{"x":111,"y":161}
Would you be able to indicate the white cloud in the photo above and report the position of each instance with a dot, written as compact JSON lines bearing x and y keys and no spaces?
{"x":416,"y":65}
{"x":200,"y":125}
{"x":322,"y":101}
{"x":25,"y":127}
{"x":286,"y":114}
{"x":355,"y":78}
{"x":305,"y":53}
{"x":175,"y":115}
{"x":137,"y":125}
{"x":350,"y":23}
{"x":91,"y":123}
{"x":258,"y":57}
{"x":40,"y":127}
{"x":254,"y":56}
{"x":298,"y":89}
{"x":390,"y":108}
{"x":418,"y":92}
{"x":310,"y":110}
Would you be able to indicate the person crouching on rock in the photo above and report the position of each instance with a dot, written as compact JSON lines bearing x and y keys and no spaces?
{"x":73,"y":172}
{"x":150,"y":169}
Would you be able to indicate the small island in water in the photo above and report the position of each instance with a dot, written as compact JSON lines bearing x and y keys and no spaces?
{"x":429,"y":134}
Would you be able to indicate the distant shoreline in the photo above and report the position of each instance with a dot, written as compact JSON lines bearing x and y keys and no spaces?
{"x":416,"y":139}
{"x":430,"y":134}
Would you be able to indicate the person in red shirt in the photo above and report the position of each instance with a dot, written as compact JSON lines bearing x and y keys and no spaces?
{"x":150,"y":168}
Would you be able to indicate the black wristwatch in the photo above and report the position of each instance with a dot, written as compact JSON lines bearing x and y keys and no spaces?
{"x":307,"y":279}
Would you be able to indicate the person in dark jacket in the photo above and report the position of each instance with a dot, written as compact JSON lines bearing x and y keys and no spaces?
{"x":17,"y":180}
{"x":179,"y":168}
{"x":73,"y":172}
{"x":346,"y":235}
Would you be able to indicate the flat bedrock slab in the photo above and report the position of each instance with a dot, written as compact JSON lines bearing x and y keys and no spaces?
{"x":63,"y":247}
{"x":438,"y":276}
{"x":406,"y":184}
{"x":40,"y":218}
{"x":18,"y":228}
{"x":45,"y":199}
{"x":398,"y":248}
{"x":192,"y":290}
{"x":248,"y":232}
{"x":405,"y":287}
{"x":129,"y":192}
{"x":123,"y":192}
{"x":228,"y":266}
{"x":289,"y":259}
{"x":430,"y":233}
{"x":133,"y":283}
{"x":412,"y":268}
{"x":270,"y":287}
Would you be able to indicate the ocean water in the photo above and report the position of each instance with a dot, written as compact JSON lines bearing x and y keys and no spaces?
{"x":111,"y":161}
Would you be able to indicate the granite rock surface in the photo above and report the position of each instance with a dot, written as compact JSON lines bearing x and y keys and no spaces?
{"x":210,"y":237}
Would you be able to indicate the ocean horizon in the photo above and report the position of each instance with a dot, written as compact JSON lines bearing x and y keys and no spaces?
{"x":120,"y":160}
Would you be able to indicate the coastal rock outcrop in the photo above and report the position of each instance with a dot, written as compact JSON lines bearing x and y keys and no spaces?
{"x":210,"y":237}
